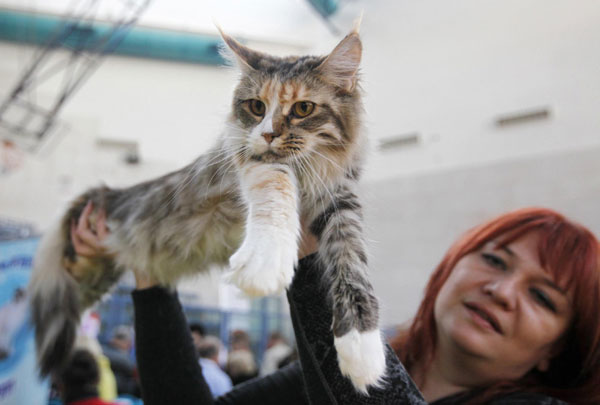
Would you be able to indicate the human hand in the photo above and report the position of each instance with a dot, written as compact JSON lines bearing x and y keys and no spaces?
{"x":90,"y":243}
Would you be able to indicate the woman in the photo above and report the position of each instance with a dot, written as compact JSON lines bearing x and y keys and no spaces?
{"x":508,"y":316}
{"x":532,"y":279}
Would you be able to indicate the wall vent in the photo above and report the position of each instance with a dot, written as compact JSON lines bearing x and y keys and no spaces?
{"x":399,"y":141}
{"x":520,"y":117}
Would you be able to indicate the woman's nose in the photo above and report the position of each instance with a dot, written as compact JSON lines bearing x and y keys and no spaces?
{"x":503,"y":291}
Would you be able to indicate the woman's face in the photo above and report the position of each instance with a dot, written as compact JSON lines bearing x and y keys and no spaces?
{"x":501,"y":312}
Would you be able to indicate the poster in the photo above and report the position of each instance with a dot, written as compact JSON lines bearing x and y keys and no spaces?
{"x":19,"y":383}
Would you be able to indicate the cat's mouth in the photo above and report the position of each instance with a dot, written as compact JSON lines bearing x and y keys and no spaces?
{"x":268,"y":156}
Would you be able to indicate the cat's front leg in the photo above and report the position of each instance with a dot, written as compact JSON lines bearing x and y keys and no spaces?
{"x":342,"y":249}
{"x":264,"y":263}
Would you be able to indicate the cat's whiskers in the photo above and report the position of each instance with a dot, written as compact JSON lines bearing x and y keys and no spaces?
{"x":224,"y":152}
{"x":318,"y":177}
{"x":195,"y":170}
{"x":305,"y":171}
{"x":312,"y":184}
{"x":337,"y":166}
{"x":189,"y":175}
{"x":221,"y":167}
{"x":239,"y":149}
{"x":333,"y":142}
{"x":225,"y":168}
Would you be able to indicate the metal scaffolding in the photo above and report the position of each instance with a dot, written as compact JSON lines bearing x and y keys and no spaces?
{"x":26,"y":118}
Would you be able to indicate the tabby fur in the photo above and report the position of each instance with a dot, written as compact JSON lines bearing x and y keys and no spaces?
{"x":239,"y":204}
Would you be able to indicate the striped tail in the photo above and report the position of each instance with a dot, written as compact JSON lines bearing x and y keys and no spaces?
{"x":54,"y":299}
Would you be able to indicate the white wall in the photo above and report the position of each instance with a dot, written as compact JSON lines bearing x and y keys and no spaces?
{"x":447,"y":69}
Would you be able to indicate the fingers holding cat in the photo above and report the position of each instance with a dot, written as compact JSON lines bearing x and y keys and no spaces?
{"x":86,"y":242}
{"x":89,"y":243}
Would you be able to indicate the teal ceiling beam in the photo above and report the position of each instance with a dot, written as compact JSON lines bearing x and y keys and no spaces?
{"x":325,"y":7}
{"x":37,"y":29}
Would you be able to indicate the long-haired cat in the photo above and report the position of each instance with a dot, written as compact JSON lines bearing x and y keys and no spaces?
{"x":293,"y":146}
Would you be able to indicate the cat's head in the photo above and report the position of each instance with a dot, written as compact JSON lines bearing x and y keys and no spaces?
{"x":304,"y":111}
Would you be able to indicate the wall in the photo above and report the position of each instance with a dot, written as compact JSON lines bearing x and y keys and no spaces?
{"x":448,"y":69}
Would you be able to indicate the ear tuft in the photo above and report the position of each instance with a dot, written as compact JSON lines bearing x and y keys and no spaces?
{"x":357,"y":23}
{"x":341,"y":66}
{"x":246,"y":57}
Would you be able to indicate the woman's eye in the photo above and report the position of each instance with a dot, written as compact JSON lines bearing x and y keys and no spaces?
{"x":543,"y":299}
{"x":303,"y":109}
{"x":257,"y":107}
{"x":494,"y":261}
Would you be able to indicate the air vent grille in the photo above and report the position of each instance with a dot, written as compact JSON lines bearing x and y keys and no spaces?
{"x":400,"y":141}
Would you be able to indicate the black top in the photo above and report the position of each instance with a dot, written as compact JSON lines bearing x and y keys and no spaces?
{"x":170,"y":374}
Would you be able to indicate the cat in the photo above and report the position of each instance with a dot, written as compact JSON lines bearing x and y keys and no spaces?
{"x":293,"y":147}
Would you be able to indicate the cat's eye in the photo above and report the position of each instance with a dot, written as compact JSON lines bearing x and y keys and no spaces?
{"x":257,"y":107}
{"x":303,"y":109}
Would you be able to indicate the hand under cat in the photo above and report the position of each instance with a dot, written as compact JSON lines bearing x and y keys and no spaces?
{"x":89,"y":243}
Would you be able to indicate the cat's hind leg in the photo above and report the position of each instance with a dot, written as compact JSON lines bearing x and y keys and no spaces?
{"x":357,"y":338}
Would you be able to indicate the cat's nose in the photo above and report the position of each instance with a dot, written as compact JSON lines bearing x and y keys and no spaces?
{"x":269,"y":136}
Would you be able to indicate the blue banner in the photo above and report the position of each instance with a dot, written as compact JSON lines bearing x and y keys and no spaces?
{"x":19,"y":383}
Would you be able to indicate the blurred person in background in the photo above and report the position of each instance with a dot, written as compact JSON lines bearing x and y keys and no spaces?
{"x":118,"y":352}
{"x":78,"y":382}
{"x":277,"y":351}
{"x":198,"y":332}
{"x":87,"y":338}
{"x":241,"y":364}
{"x":218,"y":381}
{"x":240,"y":340}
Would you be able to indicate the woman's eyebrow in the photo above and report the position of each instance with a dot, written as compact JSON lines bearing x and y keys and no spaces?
{"x":507,"y":250}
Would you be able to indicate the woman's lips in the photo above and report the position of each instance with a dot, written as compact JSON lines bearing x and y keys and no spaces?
{"x":484,"y":317}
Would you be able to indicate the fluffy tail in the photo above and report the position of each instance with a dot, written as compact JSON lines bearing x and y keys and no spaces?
{"x":55,"y":302}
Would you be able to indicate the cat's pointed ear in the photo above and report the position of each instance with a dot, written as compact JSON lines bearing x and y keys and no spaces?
{"x":246,"y":57}
{"x":340,"y":67}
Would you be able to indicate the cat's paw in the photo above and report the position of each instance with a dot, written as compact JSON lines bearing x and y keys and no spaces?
{"x":361,"y":357}
{"x":264,"y":264}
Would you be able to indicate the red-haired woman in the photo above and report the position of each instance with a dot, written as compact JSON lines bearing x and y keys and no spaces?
{"x":512,"y":307}
{"x":509,"y":316}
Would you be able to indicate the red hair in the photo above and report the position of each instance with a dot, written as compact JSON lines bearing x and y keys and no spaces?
{"x":570,"y":253}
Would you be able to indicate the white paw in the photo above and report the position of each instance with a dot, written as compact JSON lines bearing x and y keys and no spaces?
{"x":361,"y":357}
{"x":264,"y":263}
